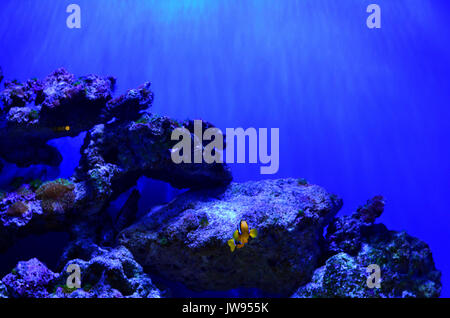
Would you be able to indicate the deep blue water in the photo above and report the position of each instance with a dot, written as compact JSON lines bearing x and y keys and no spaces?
{"x":361,"y":112}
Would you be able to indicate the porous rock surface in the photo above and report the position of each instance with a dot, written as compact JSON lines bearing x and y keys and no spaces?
{"x":29,"y":279}
{"x":60,"y":105}
{"x":122,"y":145}
{"x":354,"y":242}
{"x":33,"y":209}
{"x":186,"y":240}
{"x":105,"y":273}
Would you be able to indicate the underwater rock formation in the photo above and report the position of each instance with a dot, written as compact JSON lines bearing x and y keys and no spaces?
{"x":345,"y":233}
{"x":60,"y":105}
{"x":1,"y":75}
{"x":115,"y":155}
{"x":186,"y":240}
{"x":29,"y":279}
{"x":407,"y":270}
{"x":406,"y":263}
{"x":105,"y":273}
{"x":37,"y":208}
{"x":33,"y":209}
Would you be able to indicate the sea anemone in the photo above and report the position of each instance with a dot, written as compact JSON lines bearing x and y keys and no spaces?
{"x":56,"y":196}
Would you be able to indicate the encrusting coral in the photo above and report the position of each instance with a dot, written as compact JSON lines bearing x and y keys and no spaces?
{"x":105,"y":272}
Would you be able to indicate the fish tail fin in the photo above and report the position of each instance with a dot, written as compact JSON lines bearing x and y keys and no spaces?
{"x":231,"y":245}
{"x":253,"y":233}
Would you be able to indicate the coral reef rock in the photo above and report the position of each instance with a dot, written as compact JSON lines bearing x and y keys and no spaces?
{"x":345,"y":233}
{"x":60,"y":105}
{"x":354,"y":242}
{"x":32,"y":209}
{"x":116,"y":155}
{"x":29,"y":280}
{"x":186,"y":240}
{"x":406,"y":270}
{"x":122,"y":145}
{"x":105,"y":273}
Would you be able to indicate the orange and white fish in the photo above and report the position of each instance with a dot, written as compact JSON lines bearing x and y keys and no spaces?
{"x":241,"y":236}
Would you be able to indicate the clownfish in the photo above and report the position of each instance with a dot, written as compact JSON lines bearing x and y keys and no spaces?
{"x":241,"y":235}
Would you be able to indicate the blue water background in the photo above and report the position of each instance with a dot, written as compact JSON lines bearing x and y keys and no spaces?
{"x":361,"y":112}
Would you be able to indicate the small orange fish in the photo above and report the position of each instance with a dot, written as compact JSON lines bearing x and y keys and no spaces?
{"x":241,"y":236}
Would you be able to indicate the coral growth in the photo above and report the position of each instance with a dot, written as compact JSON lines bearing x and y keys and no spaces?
{"x":17,"y":209}
{"x":354,"y":243}
{"x":115,"y":155}
{"x":33,"y":112}
{"x":178,"y":243}
{"x":29,"y":279}
{"x":105,"y":273}
{"x":34,"y":208}
{"x":56,"y":196}
{"x":407,"y":270}
{"x":184,"y":241}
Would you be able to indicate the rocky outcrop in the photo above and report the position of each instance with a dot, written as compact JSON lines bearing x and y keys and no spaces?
{"x":116,"y":155}
{"x":122,"y":146}
{"x":59,"y":105}
{"x":407,"y":270}
{"x":105,"y":273}
{"x":30,"y":279}
{"x":355,"y":242}
{"x":186,"y":240}
{"x":34,"y":208}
